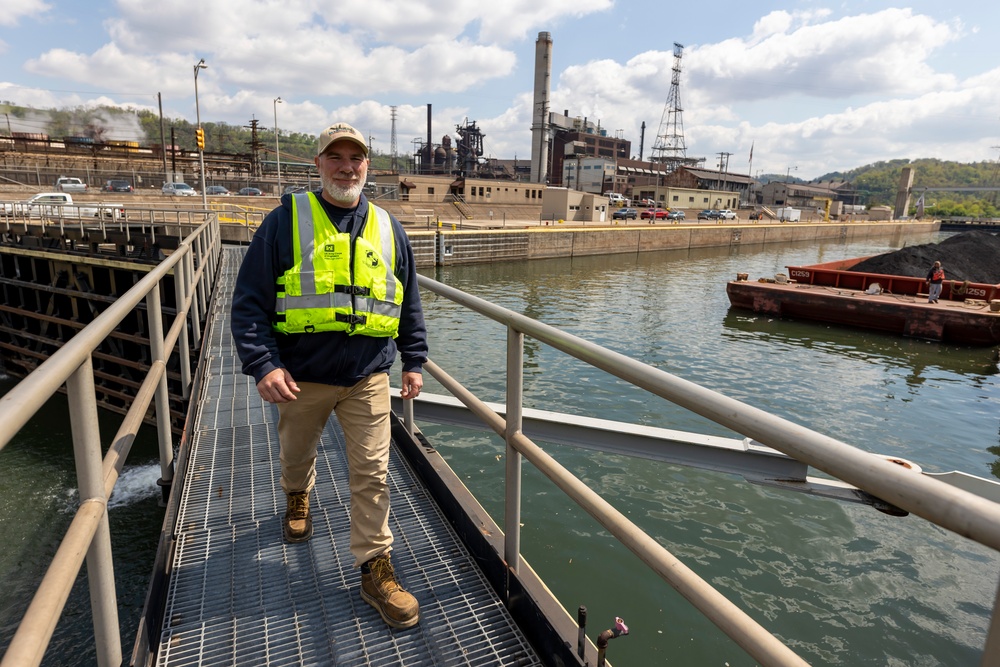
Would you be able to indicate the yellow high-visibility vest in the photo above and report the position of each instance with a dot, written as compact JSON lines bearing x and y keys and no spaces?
{"x":333,"y":286}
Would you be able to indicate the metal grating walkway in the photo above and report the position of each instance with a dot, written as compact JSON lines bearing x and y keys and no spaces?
{"x":239,"y":595}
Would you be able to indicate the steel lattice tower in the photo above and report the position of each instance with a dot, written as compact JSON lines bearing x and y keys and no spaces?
{"x":670,"y":148}
{"x":394,"y":163}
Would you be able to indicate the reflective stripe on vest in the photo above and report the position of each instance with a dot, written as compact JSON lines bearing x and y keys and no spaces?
{"x":340,"y":288}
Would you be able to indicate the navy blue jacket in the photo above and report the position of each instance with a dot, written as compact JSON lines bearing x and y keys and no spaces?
{"x":328,"y":357}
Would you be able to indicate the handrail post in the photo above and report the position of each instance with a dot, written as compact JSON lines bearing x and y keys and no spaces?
{"x":183,"y":351}
{"x":202,"y":255}
{"x":408,"y":416}
{"x":512,"y":482}
{"x":162,"y":399}
{"x":90,"y":479}
{"x":991,"y":650}
{"x":189,"y":278}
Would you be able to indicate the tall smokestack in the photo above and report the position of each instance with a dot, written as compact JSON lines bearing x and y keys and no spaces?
{"x":540,"y":115}
{"x":429,"y":162}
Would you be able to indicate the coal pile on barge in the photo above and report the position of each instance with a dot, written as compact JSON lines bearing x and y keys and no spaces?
{"x":972,"y":256}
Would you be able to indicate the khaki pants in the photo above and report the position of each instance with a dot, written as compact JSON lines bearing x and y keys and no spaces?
{"x":363,"y":412}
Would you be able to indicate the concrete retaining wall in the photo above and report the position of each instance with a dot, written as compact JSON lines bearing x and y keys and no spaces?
{"x":445,"y":246}
{"x":470,"y":247}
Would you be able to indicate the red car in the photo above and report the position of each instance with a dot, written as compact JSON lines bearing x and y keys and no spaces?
{"x":654,"y":214}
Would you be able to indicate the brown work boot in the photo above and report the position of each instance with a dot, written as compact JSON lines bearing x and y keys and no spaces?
{"x":380,"y":589}
{"x":298,"y":525}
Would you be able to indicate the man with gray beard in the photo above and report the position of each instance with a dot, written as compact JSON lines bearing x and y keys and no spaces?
{"x":325,"y":298}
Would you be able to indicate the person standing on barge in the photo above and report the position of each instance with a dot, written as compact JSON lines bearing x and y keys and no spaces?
{"x":935,"y":279}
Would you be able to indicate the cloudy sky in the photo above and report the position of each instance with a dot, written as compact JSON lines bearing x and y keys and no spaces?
{"x":812,"y":86}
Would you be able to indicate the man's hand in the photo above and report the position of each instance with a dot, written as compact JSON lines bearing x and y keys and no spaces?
{"x":412,"y":384}
{"x":278,"y":387}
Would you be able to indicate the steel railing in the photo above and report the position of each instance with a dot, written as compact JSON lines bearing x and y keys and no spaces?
{"x":947,"y":506}
{"x":195,"y":264}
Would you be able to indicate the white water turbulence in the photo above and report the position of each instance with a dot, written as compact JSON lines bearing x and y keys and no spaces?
{"x":135,"y":484}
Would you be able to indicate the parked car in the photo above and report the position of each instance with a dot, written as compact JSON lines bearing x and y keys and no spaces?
{"x":709,"y":214}
{"x":71,"y":185}
{"x":624,"y":214}
{"x":726,"y":214}
{"x":295,"y":189}
{"x":217,"y":190}
{"x":251,"y":192}
{"x":179,"y":189}
{"x":115,"y":185}
{"x":675,"y":215}
{"x":647,"y":202}
{"x":60,"y":205}
{"x":654,"y":214}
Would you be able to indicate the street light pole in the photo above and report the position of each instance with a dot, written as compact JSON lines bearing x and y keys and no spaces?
{"x":201,"y":151}
{"x":788,"y":196}
{"x":277,"y":153}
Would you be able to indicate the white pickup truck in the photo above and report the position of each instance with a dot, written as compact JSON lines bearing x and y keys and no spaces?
{"x":70,"y":184}
{"x":60,"y":205}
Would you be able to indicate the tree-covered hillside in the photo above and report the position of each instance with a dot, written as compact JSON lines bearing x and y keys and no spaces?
{"x":878,"y":183}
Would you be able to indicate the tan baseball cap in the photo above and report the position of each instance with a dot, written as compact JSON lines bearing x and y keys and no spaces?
{"x":339,"y":131}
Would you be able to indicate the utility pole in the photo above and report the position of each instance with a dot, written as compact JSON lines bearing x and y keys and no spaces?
{"x":173,"y":153}
{"x":254,"y":148}
{"x":724,"y":167}
{"x":163,"y":143}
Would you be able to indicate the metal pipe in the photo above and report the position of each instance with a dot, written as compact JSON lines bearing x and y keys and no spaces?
{"x":606,"y":636}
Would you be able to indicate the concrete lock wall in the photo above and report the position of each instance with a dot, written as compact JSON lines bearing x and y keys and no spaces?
{"x":443,"y":247}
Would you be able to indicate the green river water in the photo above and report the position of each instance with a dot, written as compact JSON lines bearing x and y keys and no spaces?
{"x":840,"y":583}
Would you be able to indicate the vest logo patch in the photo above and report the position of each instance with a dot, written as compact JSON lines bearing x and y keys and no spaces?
{"x":330,"y":251}
{"x":372,"y":258}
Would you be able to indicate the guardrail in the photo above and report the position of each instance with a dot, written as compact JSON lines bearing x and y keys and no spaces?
{"x":947,"y":506}
{"x":195,"y":264}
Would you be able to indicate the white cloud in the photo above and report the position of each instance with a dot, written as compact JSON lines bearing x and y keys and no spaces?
{"x":16,"y":10}
{"x":791,"y":65}
{"x":810,"y":87}
{"x":422,"y":21}
{"x":884,"y":53}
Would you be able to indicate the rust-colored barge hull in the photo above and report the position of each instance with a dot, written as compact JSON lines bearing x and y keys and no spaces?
{"x":837,"y":296}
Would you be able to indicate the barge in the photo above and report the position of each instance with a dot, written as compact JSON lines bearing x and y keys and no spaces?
{"x":967,"y":313}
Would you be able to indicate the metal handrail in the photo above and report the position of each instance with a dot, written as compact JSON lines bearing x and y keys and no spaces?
{"x":947,"y":506}
{"x":88,"y":533}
